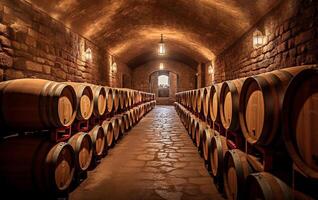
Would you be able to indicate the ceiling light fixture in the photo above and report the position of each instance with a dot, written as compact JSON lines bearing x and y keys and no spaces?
{"x":161,"y":49}
{"x":161,"y":66}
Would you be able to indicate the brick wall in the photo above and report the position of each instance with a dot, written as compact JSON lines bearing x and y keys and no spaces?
{"x":291,"y":31}
{"x":32,"y":44}
{"x":141,"y":77}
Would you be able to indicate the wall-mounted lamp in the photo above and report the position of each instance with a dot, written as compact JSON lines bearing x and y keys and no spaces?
{"x":211,"y":70}
{"x":161,"y":66}
{"x":114,"y":67}
{"x":88,"y":55}
{"x":258,"y":39}
{"x":162,"y":48}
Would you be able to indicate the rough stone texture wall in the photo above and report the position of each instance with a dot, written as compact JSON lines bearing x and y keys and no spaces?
{"x":291,"y":31}
{"x":185,"y":77}
{"x":32,"y":44}
{"x":121,"y":77}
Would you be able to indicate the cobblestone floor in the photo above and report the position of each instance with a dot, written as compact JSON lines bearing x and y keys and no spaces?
{"x":155,"y":161}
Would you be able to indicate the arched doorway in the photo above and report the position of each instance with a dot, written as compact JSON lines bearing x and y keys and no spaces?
{"x":164,"y":84}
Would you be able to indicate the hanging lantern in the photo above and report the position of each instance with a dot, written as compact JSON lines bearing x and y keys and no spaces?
{"x":161,"y":66}
{"x":161,"y":49}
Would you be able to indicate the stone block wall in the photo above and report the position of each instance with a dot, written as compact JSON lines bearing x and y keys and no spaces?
{"x":32,"y":44}
{"x":291,"y":31}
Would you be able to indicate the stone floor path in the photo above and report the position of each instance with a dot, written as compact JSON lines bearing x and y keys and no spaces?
{"x":156,"y":160}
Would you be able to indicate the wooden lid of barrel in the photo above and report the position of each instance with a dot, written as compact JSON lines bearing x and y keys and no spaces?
{"x":194,"y":128}
{"x":122,"y":97}
{"x":300,"y":117}
{"x":214,"y":102}
{"x":49,"y":104}
{"x":99,"y":100}
{"x":217,"y":153}
{"x":206,"y":143}
{"x":82,"y":145}
{"x":229,"y":103}
{"x":115,"y":99}
{"x":85,"y":97}
{"x":199,"y":100}
{"x":206,"y":101}
{"x":109,"y":99}
{"x":194,"y":100}
{"x":265,"y":186}
{"x":108,"y":132}
{"x":98,"y":139}
{"x":199,"y":134}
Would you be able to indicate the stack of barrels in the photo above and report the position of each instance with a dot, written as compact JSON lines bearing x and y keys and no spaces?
{"x":32,"y":110}
{"x":271,"y":112}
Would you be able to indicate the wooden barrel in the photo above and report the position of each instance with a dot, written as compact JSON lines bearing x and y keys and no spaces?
{"x":194,"y":128}
{"x":229,"y":104}
{"x":236,"y":170}
{"x":85,"y":101}
{"x":115,"y":123}
{"x":216,"y":156}
{"x":130,"y":119}
{"x":206,"y":101}
{"x":206,"y":145}
{"x":34,"y":165}
{"x":133,"y":117}
{"x":192,"y":125}
{"x":109,"y":99}
{"x":199,"y":134}
{"x":265,"y":186}
{"x":98,"y":140}
{"x":261,"y":103}
{"x":121,"y":123}
{"x":136,"y":114}
{"x":194,"y":100}
{"x":130,"y":98}
{"x":115,"y":99}
{"x":108,"y":132}
{"x":126,"y":120}
{"x":122,"y":99}
{"x":199,"y":100}
{"x":187,"y":120}
{"x":126,"y":100}
{"x":99,"y":100}
{"x":214,"y":102}
{"x":29,"y":104}
{"x":82,"y":146}
{"x":300,"y":119}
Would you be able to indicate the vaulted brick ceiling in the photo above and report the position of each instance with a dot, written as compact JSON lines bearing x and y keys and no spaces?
{"x":194,"y":30}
